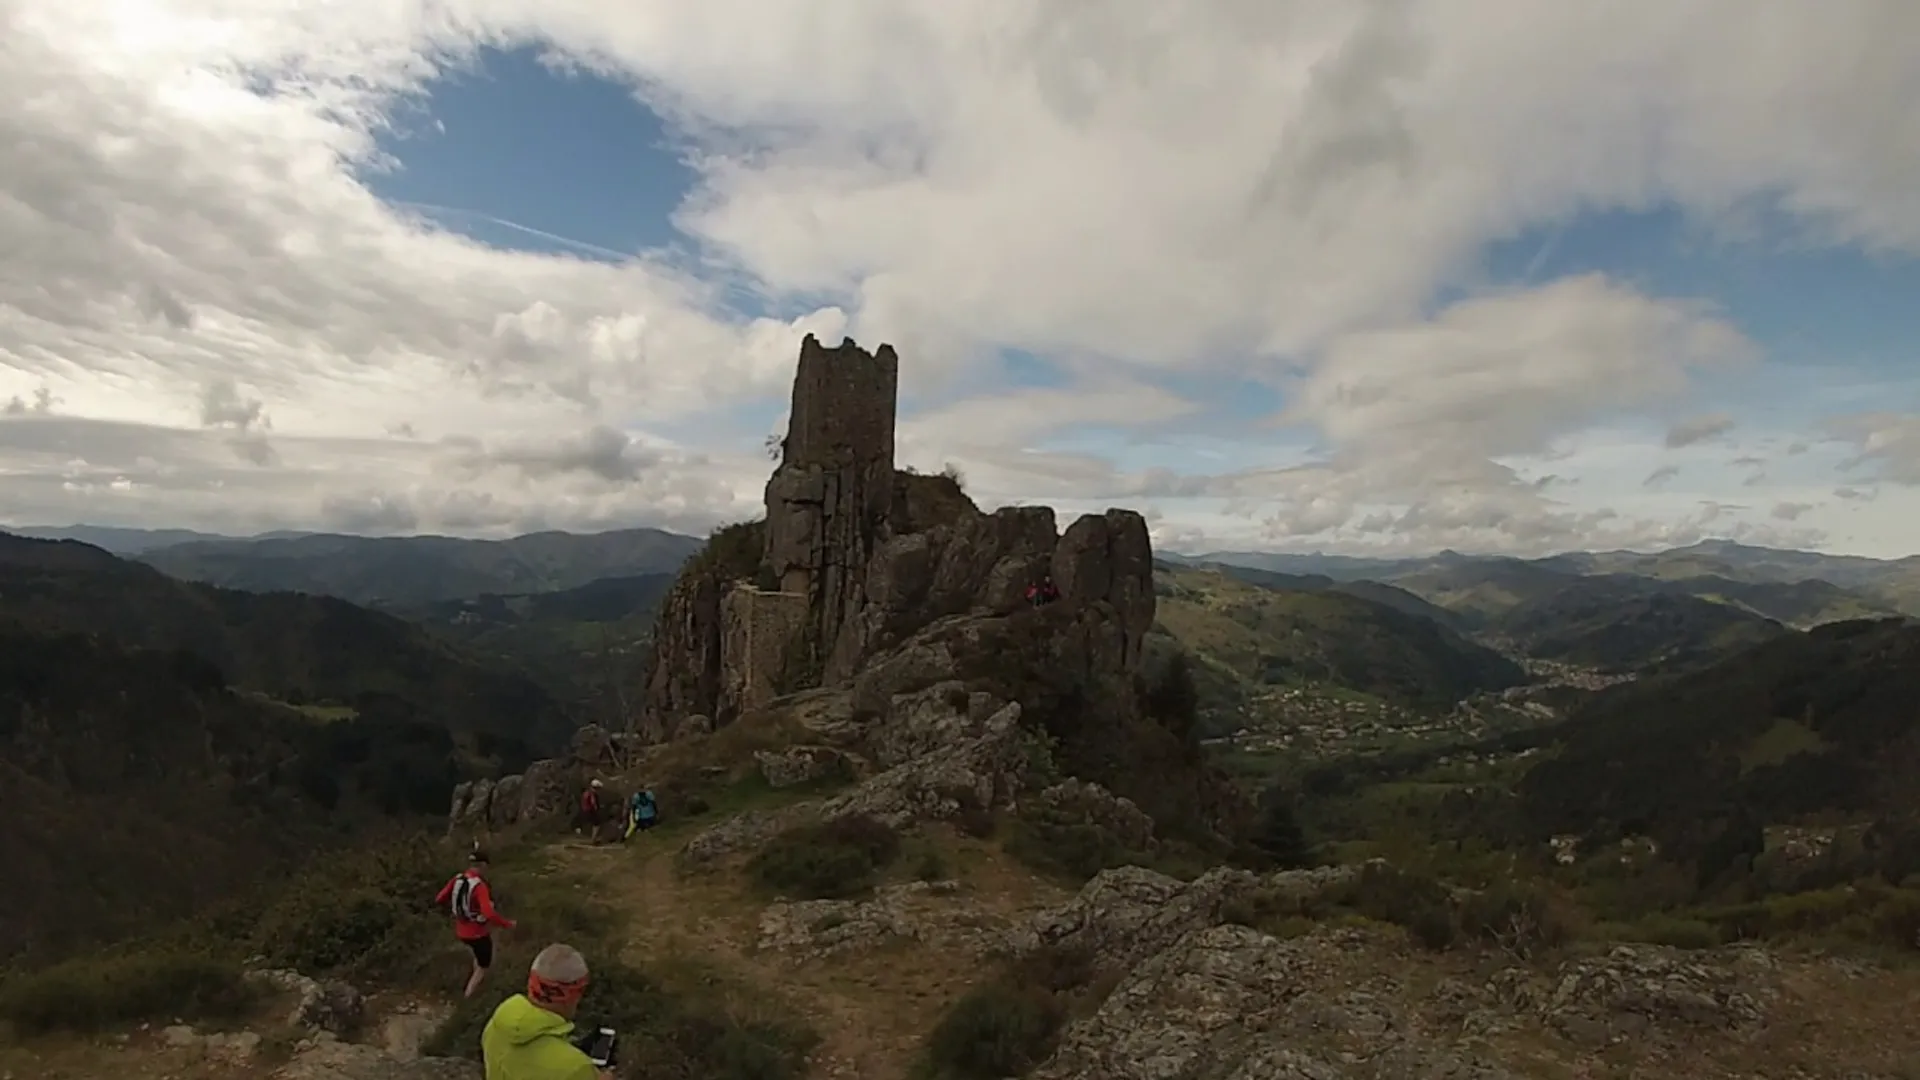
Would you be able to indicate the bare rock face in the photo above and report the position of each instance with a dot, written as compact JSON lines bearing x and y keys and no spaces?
{"x":862,"y":559}
{"x":1231,"y":1003}
{"x":684,"y":678}
{"x":828,"y":502}
{"x":1198,"y":998}
{"x":983,"y":766}
{"x":935,"y":913}
{"x":803,"y":764}
{"x":1110,"y":557}
{"x":1126,"y":914}
{"x":1642,"y":991}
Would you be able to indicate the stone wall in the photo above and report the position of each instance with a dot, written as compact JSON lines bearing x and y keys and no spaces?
{"x":758,"y":631}
{"x":827,"y":503}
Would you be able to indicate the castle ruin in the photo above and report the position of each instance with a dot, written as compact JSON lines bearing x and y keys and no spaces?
{"x":855,"y":556}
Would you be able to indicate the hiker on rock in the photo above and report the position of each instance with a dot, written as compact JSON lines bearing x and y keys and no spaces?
{"x":588,"y":819}
{"x":642,"y":812}
{"x":1044,"y":593}
{"x":471,"y":901}
{"x":529,"y":1037}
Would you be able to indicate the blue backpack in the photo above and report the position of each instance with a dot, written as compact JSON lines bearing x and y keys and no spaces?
{"x":643,"y":808}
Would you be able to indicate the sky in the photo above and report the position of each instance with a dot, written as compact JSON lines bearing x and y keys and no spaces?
{"x":1387,"y":276}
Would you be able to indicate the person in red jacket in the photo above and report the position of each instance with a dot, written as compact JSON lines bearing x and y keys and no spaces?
{"x":474,"y":917}
{"x":1043,"y":592}
{"x":587,"y":819}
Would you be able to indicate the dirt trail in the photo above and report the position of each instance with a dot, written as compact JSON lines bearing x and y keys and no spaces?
{"x":871,"y":1007}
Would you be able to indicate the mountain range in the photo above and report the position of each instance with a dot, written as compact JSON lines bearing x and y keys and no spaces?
{"x":195,"y":716}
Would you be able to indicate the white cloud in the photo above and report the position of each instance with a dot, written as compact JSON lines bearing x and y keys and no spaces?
{"x":1163,"y":199}
{"x":1697,"y":429}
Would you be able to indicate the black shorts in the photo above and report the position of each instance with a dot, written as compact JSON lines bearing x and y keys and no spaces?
{"x":482,"y":950}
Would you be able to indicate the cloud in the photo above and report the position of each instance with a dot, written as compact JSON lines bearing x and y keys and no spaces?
{"x":1661,"y":475}
{"x":1790,"y":511}
{"x":1184,"y":211}
{"x":1698,"y":429}
{"x":1888,"y":441}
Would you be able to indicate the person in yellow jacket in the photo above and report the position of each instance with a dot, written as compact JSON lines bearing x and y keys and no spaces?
{"x":529,"y":1036}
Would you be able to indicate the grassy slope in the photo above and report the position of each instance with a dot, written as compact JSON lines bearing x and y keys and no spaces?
{"x":293,"y":648}
{"x":1263,"y":638}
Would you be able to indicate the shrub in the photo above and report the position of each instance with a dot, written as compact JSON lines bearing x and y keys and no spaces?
{"x":1670,"y":930}
{"x":1073,"y":850}
{"x":1173,"y":700}
{"x":1522,"y":918}
{"x":973,"y":818}
{"x":1279,"y":835}
{"x":994,"y":1031}
{"x":1007,"y":1025}
{"x":1417,"y":902}
{"x":325,"y":933}
{"x":830,"y":860}
{"x":93,"y":992}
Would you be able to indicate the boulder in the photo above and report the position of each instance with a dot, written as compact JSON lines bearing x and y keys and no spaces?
{"x":802,"y":764}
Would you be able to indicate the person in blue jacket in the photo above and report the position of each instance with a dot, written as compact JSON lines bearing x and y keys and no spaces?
{"x":642,"y":812}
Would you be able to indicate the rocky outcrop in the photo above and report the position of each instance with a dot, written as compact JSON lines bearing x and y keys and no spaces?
{"x":926,"y":912}
{"x":685,"y":676}
{"x":857,"y":560}
{"x":322,"y":1018}
{"x":981,"y":766}
{"x":547,"y":787}
{"x":1200,"y":998}
{"x":792,"y":766}
{"x":829,"y":501}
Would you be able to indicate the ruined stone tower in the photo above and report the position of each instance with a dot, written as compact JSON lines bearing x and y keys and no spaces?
{"x":828,"y":501}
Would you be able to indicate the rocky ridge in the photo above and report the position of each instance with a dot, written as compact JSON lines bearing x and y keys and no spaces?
{"x":887,"y":613}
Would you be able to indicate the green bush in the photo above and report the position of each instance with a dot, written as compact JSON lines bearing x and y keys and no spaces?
{"x":830,"y":860}
{"x":1008,"y":1024}
{"x":329,"y":933}
{"x":994,"y":1031}
{"x":1868,"y":911}
{"x":1664,"y":929}
{"x":1523,"y":918}
{"x":1417,"y":902}
{"x":94,"y":992}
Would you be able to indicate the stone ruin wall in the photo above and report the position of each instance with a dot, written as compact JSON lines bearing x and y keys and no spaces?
{"x":863,"y":555}
{"x":828,"y":502}
{"x":756,"y":633}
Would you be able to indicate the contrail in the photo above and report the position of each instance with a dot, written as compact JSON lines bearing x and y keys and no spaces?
{"x":596,"y":249}
{"x":1539,"y":259}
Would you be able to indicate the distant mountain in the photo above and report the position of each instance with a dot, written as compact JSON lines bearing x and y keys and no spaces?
{"x":1819,"y":726}
{"x":1256,"y":637}
{"x":320,"y":653}
{"x":1337,"y":567}
{"x":1480,"y":585}
{"x":1483,"y":591}
{"x":123,"y":541}
{"x":1891,"y":582}
{"x":584,"y":644}
{"x":411,"y":571}
{"x":1380,"y":593}
{"x":1480,"y":590}
{"x":1622,"y":624}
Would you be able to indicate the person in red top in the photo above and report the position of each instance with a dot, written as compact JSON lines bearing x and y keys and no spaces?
{"x":588,"y":818}
{"x":1043,"y":593}
{"x":474,"y":917}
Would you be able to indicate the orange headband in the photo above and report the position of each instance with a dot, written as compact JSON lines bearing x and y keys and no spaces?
{"x":551,"y":992}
